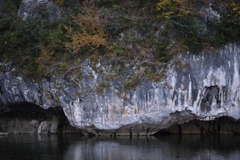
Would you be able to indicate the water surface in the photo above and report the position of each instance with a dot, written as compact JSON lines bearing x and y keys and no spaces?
{"x":76,"y":147}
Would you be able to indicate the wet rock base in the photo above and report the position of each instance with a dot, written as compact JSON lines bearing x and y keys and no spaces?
{"x":222,"y":125}
{"x":26,"y":118}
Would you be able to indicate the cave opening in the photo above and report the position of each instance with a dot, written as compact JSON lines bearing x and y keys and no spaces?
{"x":28,"y":118}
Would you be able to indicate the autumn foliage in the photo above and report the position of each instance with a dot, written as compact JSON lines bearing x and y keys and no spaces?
{"x":59,"y":2}
{"x":90,"y":34}
{"x":179,"y":8}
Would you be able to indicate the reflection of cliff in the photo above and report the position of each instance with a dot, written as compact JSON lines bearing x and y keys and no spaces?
{"x":164,"y":147}
{"x":30,"y":147}
{"x":75,"y":147}
{"x":122,"y":148}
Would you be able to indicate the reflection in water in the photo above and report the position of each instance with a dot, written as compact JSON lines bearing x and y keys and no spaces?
{"x":75,"y":147}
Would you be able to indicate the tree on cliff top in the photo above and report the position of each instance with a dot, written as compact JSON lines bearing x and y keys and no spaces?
{"x":183,"y":17}
{"x":90,"y":35}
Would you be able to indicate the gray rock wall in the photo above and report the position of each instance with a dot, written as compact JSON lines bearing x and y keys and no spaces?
{"x":36,"y":7}
{"x":203,"y":87}
{"x":1,"y":1}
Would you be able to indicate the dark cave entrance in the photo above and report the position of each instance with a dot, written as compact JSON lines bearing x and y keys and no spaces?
{"x":28,"y":118}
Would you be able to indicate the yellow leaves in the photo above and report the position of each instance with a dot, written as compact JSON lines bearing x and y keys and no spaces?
{"x":59,"y":2}
{"x":162,"y":4}
{"x":166,"y":6}
{"x":236,"y":7}
{"x":179,"y":8}
{"x":90,"y":33}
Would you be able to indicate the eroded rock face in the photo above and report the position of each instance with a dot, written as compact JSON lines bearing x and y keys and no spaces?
{"x":203,"y":87}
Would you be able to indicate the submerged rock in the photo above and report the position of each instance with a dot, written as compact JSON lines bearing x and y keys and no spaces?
{"x":204,"y":87}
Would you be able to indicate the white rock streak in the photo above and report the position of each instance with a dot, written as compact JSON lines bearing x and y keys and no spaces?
{"x":208,"y":89}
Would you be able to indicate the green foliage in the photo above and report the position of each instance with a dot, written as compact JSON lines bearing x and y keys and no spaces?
{"x":41,"y":11}
{"x":191,"y":31}
{"x":113,"y":29}
{"x":72,"y":7}
{"x":144,"y":25}
{"x":102,"y":86}
{"x":8,"y":10}
{"x":22,"y":40}
{"x":161,"y":51}
{"x":107,"y":3}
{"x":7,"y":41}
{"x":132,"y":83}
{"x":29,"y":33}
{"x":185,"y":21}
{"x":117,"y":21}
{"x":227,"y":29}
{"x":56,"y":36}
{"x":131,"y":27}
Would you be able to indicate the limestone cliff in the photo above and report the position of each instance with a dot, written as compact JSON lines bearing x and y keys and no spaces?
{"x":203,"y":87}
{"x":200,"y":87}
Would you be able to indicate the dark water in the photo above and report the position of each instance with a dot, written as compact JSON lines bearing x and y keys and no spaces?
{"x":74,"y":147}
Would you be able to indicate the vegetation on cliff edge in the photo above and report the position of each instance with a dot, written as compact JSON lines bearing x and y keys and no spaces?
{"x":136,"y":32}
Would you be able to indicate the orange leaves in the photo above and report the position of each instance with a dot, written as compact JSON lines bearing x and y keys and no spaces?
{"x":90,"y":33}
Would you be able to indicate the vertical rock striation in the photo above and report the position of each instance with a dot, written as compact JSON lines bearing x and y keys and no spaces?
{"x":203,"y":87}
